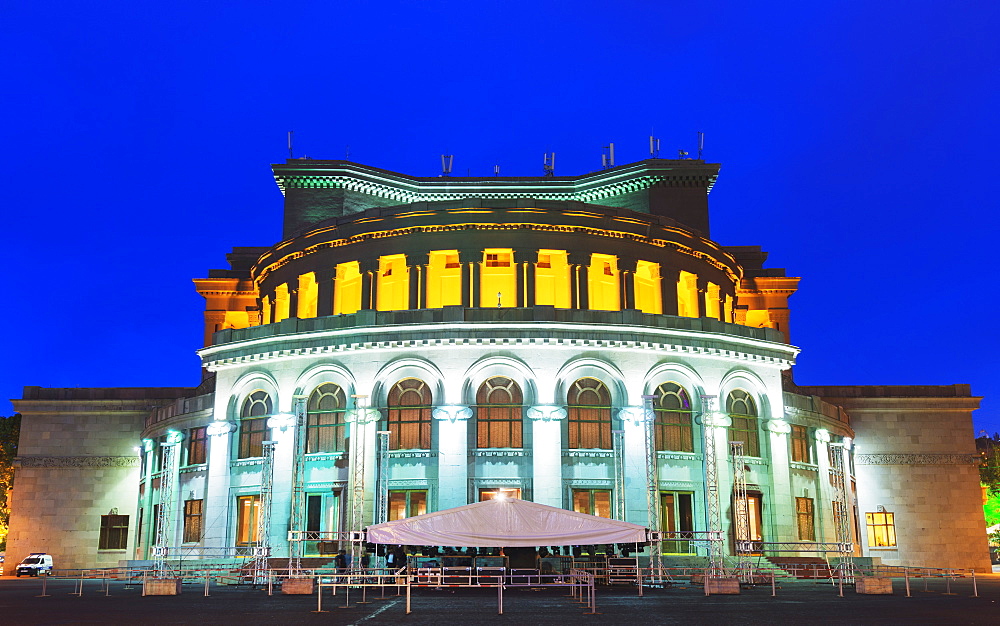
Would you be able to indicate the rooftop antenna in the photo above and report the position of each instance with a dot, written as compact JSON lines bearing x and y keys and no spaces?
{"x":446,"y":161}
{"x":608,"y":158}
{"x":347,"y":153}
{"x":549,"y":163}
{"x":683,"y":154}
{"x":290,"y":133}
{"x":654,"y":147}
{"x":701,"y":143}
{"x":496,"y":170}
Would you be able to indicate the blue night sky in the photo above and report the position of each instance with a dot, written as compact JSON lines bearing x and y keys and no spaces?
{"x":858,"y":143}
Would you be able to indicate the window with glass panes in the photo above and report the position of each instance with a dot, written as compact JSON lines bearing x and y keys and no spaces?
{"x":881,"y":529}
{"x":804,"y":519}
{"x":409,"y":415}
{"x":192,"y":520}
{"x":672,"y":426}
{"x":801,"y":448}
{"x":325,"y":425}
{"x":742,"y":411}
{"x":407,"y":503}
{"x":589,"y":414}
{"x":114,"y":532}
{"x":197,"y":440}
{"x":247,"y":510}
{"x":498,"y":414}
{"x":592,"y":502}
{"x":677,"y":520}
{"x":253,"y":424}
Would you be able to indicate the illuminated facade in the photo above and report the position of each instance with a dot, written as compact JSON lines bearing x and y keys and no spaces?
{"x":430,"y":342}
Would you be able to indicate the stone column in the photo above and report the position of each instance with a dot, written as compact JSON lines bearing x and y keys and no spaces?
{"x":416,"y":286}
{"x":626,"y":283}
{"x":668,"y":289}
{"x":469,"y":259}
{"x":782,"y":504}
{"x":453,"y":462}
{"x":546,"y":453}
{"x":282,"y":427}
{"x":636,"y":488}
{"x":826,"y":526}
{"x":369,"y":283}
{"x":363,"y":422}
{"x":579,"y":262}
{"x":217,"y":510}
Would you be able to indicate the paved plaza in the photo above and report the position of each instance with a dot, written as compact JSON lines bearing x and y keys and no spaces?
{"x":797,"y":602}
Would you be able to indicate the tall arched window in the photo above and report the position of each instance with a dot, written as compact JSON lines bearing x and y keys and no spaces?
{"x":589,"y":414}
{"x":498,"y":414}
{"x":673,"y":418}
{"x":409,"y":419}
{"x":253,"y":424}
{"x":743,"y":411}
{"x":325,"y":424}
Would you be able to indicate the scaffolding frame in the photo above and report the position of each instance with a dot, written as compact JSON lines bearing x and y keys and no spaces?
{"x":297,"y":514}
{"x":713,"y":509}
{"x":618,"y":448}
{"x":358,"y":449}
{"x":165,"y":515}
{"x":741,"y":512}
{"x":263,"y":543}
{"x":840,"y":510}
{"x":653,"y":511}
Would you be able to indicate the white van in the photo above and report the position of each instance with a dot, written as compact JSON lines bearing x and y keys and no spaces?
{"x":34,"y":564}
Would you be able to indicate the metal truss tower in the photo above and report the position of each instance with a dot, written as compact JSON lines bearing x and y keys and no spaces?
{"x":165,"y":512}
{"x":296,"y":521}
{"x":357,"y":517}
{"x":742,"y":512}
{"x":618,"y":447}
{"x":716,"y":565}
{"x":263,"y":543}
{"x":653,"y":512}
{"x":840,"y":509}
{"x":382,"y":478}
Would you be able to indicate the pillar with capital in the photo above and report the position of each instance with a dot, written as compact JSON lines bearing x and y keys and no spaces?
{"x":546,"y":451}
{"x":782,"y":502}
{"x":453,"y":467}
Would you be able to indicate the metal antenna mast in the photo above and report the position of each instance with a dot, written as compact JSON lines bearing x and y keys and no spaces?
{"x":716,"y":566}
{"x":654,"y":147}
{"x":290,"y":133}
{"x":549,"y":163}
{"x":618,"y":447}
{"x":608,"y":157}
{"x":165,"y":514}
{"x":446,"y":162}
{"x":297,"y":521}
{"x":743,"y":544}
{"x":652,"y":489}
{"x":701,"y":143}
{"x":263,"y":547}
{"x":842,"y":521}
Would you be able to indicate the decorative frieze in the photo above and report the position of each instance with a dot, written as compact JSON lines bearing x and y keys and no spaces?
{"x":451,"y":413}
{"x":77,"y":462}
{"x":489,"y":453}
{"x":916,"y":459}
{"x":546,"y":413}
{"x":779,"y":427}
{"x":636,"y":415}
{"x":679,"y":456}
{"x":590,"y":454}
{"x":411,"y":454}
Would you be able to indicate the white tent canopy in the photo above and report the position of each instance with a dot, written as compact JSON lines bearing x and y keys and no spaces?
{"x":505,"y":522}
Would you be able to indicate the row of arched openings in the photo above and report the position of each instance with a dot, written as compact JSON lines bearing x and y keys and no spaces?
{"x":499,"y":412}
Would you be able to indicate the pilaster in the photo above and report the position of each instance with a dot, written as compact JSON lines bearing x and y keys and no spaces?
{"x":546,"y":453}
{"x":453,"y":465}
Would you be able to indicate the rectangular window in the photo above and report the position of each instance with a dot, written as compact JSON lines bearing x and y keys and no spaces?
{"x":407,"y":503}
{"x":252,"y":437}
{"x":673,"y":432}
{"x":804,"y":518}
{"x":881,"y":529}
{"x":247,"y":510}
{"x":326,"y":431}
{"x":500,"y":492}
{"x":592,"y":502}
{"x":801,"y":450}
{"x":498,"y":426}
{"x":192,"y":520}
{"x":745,"y":429}
{"x":196,"y":445}
{"x":114,"y":532}
{"x":676,"y":521}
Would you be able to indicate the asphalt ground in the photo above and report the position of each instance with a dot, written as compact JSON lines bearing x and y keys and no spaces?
{"x":796,"y":602}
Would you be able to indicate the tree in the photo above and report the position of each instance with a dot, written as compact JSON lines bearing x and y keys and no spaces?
{"x":10,"y":429}
{"x":989,"y":467}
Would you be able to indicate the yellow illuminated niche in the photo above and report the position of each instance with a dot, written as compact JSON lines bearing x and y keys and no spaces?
{"x":552,"y":279}
{"x":393,"y":283}
{"x":687,"y":294}
{"x":712,"y":302}
{"x":498,"y":278}
{"x":602,"y":280}
{"x":265,"y":310}
{"x":444,"y":279}
{"x":308,"y":296}
{"x":347,"y":288}
{"x":281,"y":302}
{"x":728,"y":310}
{"x":648,"y":297}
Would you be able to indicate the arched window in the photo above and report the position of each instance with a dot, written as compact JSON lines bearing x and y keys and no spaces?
{"x":409,"y":420}
{"x":498,"y":414}
{"x":743,"y":411}
{"x":673,"y":418}
{"x":253,"y":424}
{"x":589,"y":414}
{"x":325,"y":419}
